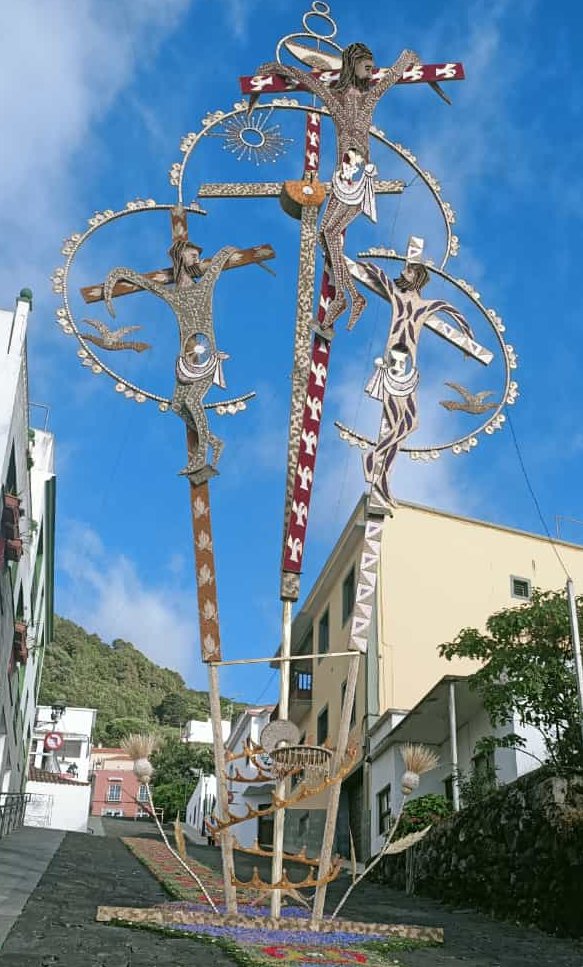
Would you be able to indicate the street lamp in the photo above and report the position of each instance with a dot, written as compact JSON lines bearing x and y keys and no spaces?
{"x":58,"y":709}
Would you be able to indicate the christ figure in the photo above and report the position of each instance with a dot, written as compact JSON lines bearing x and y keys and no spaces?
{"x":199,"y":364}
{"x":350,"y":101}
{"x":396,"y":376}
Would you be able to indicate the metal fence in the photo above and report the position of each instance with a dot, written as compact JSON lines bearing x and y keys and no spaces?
{"x":12,"y":808}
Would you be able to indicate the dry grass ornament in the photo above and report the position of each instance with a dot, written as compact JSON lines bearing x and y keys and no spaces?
{"x":139,"y":748}
{"x":418,"y":759}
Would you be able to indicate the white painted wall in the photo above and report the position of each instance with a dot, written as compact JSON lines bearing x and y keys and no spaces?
{"x":76,"y":725}
{"x":199,"y":731}
{"x":199,"y":803}
{"x":250,"y":723}
{"x":18,"y":690}
{"x":68,"y":805}
{"x":388,"y":767}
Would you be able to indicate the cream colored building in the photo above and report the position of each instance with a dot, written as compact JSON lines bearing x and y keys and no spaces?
{"x":438,"y":573}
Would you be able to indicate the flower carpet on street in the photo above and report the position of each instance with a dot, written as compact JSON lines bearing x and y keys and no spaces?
{"x":251,"y":937}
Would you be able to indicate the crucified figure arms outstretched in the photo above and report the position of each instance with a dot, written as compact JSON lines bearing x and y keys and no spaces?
{"x":351,"y":101}
{"x":199,"y":364}
{"x":396,"y":377}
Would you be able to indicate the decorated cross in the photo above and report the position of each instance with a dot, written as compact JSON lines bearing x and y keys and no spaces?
{"x":198,"y":366}
{"x":276,"y":82}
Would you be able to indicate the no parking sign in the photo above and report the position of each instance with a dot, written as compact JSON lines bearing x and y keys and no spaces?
{"x":53,"y":741}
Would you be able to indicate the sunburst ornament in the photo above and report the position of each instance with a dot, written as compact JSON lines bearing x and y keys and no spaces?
{"x":252,"y":138}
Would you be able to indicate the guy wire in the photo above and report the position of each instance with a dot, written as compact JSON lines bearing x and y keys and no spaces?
{"x":534,"y":497}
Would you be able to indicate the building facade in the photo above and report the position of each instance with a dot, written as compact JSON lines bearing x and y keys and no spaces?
{"x":201,"y":805}
{"x":437,"y":573}
{"x":449,"y":708}
{"x":116,"y":789}
{"x":59,"y":780}
{"x":202,"y":731}
{"x":242,"y":774}
{"x":27,"y":530}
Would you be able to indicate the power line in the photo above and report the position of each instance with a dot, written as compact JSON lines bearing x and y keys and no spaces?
{"x":268,"y":683}
{"x":534,"y":498}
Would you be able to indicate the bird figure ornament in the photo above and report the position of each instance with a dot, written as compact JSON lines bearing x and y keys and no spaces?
{"x":112,"y":339}
{"x":472,"y":402}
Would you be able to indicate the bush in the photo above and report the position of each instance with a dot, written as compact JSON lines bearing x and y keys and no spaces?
{"x":424,"y":811}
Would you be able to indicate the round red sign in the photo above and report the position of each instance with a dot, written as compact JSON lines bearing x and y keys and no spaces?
{"x":53,"y":741}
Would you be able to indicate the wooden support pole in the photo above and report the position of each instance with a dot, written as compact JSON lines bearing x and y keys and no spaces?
{"x":359,"y":629}
{"x":210,"y":640}
{"x":334,"y":794}
{"x":279,"y":818}
{"x":226,"y":837}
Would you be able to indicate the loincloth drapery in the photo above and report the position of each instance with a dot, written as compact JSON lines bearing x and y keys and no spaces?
{"x":358,"y":193}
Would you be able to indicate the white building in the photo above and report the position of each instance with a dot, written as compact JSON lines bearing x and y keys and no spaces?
{"x":449,"y":709}
{"x":201,"y":805}
{"x":200,"y":731}
{"x":59,"y":781}
{"x":27,"y":528}
{"x":75,"y":728}
{"x":249,"y":726}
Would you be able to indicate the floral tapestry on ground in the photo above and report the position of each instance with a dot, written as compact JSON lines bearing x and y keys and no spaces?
{"x":257,"y":943}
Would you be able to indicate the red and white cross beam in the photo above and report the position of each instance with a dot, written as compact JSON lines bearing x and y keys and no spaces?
{"x":421,"y":74}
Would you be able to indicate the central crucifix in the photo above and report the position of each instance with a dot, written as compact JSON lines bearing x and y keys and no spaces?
{"x":349,"y":96}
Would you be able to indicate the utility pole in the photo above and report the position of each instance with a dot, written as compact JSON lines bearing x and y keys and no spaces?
{"x":576,"y":645}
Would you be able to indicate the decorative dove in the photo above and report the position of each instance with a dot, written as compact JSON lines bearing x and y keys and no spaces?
{"x":112,"y":339}
{"x":473,"y":402}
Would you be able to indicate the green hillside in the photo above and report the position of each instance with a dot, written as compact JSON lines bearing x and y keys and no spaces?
{"x":131,"y":693}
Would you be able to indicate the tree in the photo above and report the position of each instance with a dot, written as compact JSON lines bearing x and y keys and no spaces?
{"x":175,"y":773}
{"x":424,"y":811}
{"x":112,"y":731}
{"x":174,"y":760}
{"x":174,"y":709}
{"x":172,"y":797}
{"x":119,"y":681}
{"x":529,"y":671}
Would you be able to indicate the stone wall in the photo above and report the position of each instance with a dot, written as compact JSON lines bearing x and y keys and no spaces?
{"x":517,"y":855}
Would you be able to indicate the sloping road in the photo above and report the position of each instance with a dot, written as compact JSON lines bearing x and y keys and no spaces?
{"x":57,"y":926}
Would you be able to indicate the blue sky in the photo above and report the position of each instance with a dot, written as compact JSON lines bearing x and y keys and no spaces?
{"x":97,"y":96}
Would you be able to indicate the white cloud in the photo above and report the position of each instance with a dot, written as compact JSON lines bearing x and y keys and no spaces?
{"x":63,"y":66}
{"x":104,"y":592}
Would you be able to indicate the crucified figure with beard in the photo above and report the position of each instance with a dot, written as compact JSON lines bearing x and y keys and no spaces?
{"x":396,"y":376}
{"x":350,"y":101}
{"x":200,"y":363}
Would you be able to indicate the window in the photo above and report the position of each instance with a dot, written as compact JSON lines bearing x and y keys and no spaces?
{"x":342,"y":697}
{"x":38,"y":565}
{"x":448,"y":788}
{"x":324,"y":633}
{"x":347,"y":596}
{"x":114,"y":792}
{"x":384,"y":809}
{"x":484,"y":765}
{"x":71,"y":749}
{"x":520,"y":588}
{"x":143,"y":793}
{"x":322,"y":725}
{"x":39,"y":664}
{"x":11,"y":484}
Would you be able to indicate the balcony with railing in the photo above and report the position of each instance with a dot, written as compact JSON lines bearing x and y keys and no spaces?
{"x":12,"y":810}
{"x":300,"y":693}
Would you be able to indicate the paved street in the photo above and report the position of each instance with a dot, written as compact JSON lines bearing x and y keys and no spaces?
{"x":57,"y":926}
